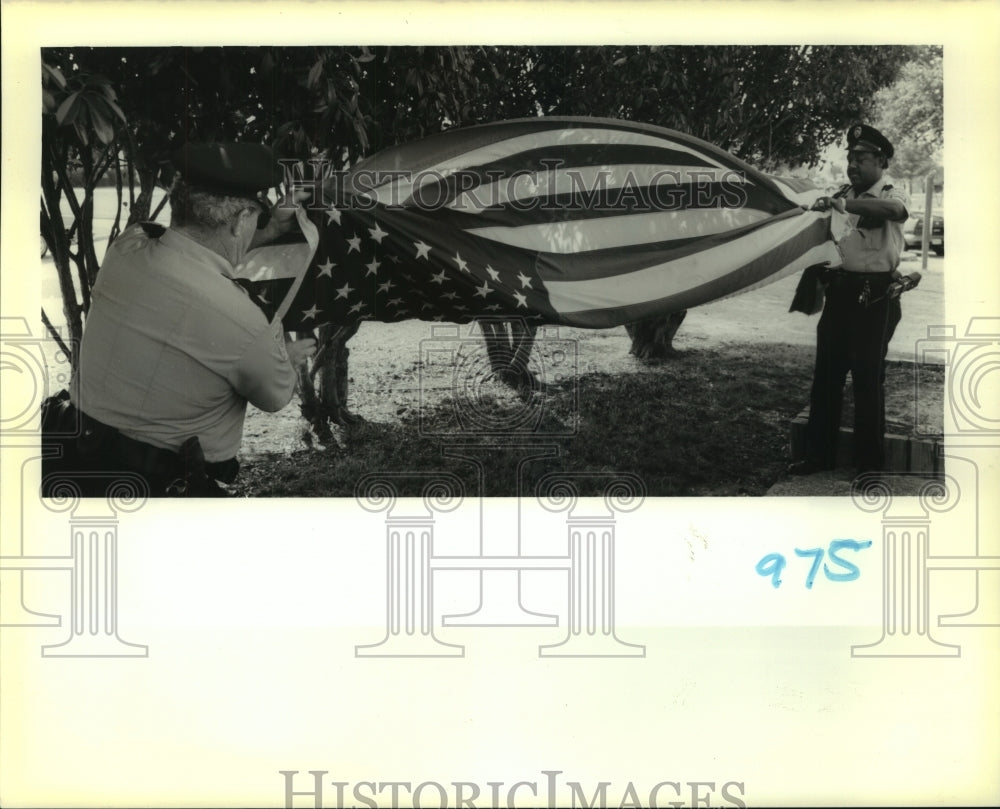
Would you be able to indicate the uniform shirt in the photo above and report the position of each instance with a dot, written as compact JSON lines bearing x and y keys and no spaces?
{"x":873,"y":245}
{"x":174,"y":348}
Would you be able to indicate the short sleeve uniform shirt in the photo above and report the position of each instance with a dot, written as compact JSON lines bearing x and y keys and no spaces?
{"x":874,"y":245}
{"x":174,"y":348}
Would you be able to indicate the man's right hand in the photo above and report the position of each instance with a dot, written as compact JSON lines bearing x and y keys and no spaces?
{"x":300,"y":350}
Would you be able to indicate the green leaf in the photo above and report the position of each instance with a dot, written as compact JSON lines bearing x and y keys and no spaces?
{"x":117,"y":111}
{"x":55,"y":74}
{"x":102,"y":126}
{"x":68,"y":110}
{"x":81,"y":133}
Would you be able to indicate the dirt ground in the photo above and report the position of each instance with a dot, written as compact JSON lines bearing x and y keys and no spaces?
{"x":386,"y":371}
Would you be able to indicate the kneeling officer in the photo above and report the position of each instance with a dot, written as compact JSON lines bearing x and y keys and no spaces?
{"x":173,"y":347}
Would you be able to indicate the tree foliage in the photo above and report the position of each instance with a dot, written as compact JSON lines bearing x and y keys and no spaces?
{"x":766,"y":104}
{"x":911,"y":112}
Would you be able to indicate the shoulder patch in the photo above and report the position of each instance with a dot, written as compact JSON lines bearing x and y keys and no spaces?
{"x":153,"y":229}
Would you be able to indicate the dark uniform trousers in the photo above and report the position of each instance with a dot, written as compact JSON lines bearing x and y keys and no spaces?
{"x":853,"y":334}
{"x":94,"y":459}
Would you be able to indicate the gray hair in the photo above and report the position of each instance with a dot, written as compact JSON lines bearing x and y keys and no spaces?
{"x":192,"y":207}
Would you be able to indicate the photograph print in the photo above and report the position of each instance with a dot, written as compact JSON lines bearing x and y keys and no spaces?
{"x":273,"y":271}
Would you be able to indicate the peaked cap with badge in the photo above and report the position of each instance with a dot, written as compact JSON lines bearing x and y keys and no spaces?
{"x":864,"y":138}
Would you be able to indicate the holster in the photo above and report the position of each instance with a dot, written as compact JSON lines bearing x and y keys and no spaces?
{"x":93,"y":452}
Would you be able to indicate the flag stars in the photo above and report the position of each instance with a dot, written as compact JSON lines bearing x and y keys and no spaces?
{"x":522,"y":301}
{"x":333,"y":215}
{"x":310,"y":314}
{"x":483,"y":291}
{"x":372,"y":266}
{"x":461,"y":263}
{"x":377,"y":233}
{"x":493,"y":273}
{"x":386,"y":286}
{"x":344,"y":291}
{"x":494,"y":307}
{"x":451,"y":296}
{"x":394,"y":302}
{"x":354,"y":244}
{"x":326,"y":269}
{"x":423,"y":250}
{"x":440,"y":277}
{"x":358,"y":307}
{"x":525,"y":281}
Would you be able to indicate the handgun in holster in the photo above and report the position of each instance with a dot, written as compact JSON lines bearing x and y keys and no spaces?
{"x":902,"y":284}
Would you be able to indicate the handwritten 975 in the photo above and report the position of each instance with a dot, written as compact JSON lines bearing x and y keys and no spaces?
{"x":774,"y":563}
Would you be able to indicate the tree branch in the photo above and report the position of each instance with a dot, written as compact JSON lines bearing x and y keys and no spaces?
{"x":55,"y":334}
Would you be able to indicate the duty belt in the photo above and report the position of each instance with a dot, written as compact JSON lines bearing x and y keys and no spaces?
{"x":871,"y":286}
{"x":184,"y":472}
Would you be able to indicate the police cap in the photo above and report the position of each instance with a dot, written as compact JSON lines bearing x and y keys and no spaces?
{"x":862,"y":137}
{"x":228,"y":169}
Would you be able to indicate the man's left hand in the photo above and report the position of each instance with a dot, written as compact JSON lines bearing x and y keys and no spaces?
{"x":826,"y":203}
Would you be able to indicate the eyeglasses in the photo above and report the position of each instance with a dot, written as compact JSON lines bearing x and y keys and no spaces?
{"x":859,"y":156}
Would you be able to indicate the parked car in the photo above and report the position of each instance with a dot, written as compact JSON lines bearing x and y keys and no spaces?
{"x":912,"y":242}
{"x":913,"y":232}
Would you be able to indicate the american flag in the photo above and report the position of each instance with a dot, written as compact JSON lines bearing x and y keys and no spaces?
{"x":579,"y":221}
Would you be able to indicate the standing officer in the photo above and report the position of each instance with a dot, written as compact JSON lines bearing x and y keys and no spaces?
{"x":174,"y":348}
{"x":859,"y":316}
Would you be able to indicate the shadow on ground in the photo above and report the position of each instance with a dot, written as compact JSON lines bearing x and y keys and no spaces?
{"x":709,"y":422}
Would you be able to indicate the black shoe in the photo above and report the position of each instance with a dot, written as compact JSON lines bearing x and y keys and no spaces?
{"x":807,"y":468}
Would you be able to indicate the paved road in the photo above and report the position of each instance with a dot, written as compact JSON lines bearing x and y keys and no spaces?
{"x":762,"y":315}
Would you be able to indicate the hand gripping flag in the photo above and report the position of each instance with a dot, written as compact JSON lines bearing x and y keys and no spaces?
{"x":580,"y":221}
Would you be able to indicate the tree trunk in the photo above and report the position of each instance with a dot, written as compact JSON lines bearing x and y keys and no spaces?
{"x":323,"y":384}
{"x":652,"y":339}
{"x":508,"y":345}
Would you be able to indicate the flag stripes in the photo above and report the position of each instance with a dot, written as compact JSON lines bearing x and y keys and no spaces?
{"x":583,"y":221}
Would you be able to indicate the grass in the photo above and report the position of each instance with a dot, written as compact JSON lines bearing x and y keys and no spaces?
{"x":709,"y":422}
